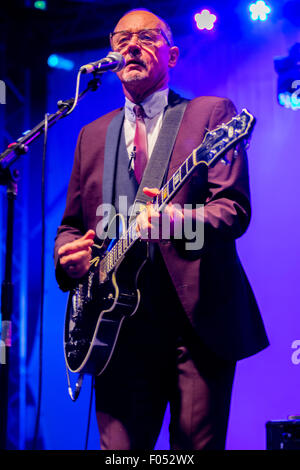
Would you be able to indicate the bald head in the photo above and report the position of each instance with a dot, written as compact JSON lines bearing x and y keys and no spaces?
{"x":146,"y":43}
{"x":141,"y":13}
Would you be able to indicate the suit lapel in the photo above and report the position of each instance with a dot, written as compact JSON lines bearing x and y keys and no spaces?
{"x":110,"y":155}
{"x":112,"y":142}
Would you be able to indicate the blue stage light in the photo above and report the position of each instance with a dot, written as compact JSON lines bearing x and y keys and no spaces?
{"x":288,"y":81}
{"x":290,"y":101}
{"x":259,"y":10}
{"x":205,"y":20}
{"x":59,"y":62}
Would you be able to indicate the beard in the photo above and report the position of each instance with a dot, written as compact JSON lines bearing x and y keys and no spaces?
{"x":134,"y":77}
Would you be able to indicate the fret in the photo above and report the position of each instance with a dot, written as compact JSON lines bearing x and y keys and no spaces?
{"x":214,"y":144}
{"x":124,"y":243}
{"x":164,"y":193}
{"x":190,"y":163}
{"x":183,"y":171}
{"x":171,"y":186}
{"x":176,"y":178}
{"x":112,"y":257}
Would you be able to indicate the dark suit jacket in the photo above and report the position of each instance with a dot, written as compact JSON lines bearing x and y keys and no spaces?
{"x":211,"y":283}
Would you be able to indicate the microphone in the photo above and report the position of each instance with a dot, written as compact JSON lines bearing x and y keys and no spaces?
{"x":113,"y":61}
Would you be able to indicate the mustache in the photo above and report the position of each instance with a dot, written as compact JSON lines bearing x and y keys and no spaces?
{"x":136,"y":61}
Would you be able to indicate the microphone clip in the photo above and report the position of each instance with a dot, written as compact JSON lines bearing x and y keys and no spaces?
{"x":131,"y":161}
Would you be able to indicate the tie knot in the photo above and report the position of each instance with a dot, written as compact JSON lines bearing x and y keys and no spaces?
{"x":139,"y":111}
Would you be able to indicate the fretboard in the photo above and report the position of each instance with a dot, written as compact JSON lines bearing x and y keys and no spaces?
{"x":125,"y":242}
{"x":213,"y":147}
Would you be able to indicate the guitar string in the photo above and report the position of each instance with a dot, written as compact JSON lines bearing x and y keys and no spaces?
{"x":176,"y":181}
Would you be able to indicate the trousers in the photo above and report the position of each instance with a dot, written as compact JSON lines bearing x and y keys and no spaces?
{"x":159,"y":360}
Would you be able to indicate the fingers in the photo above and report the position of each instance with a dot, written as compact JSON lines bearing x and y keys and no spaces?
{"x":77,"y":245}
{"x":77,"y":271}
{"x":174,"y":213}
{"x":77,"y":264}
{"x":89,"y":235}
{"x":151,"y":192}
{"x":74,"y":257}
{"x":148,"y":223}
{"x":154,"y":225}
{"x":148,"y":220}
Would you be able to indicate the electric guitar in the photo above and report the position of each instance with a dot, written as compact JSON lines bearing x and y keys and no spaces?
{"x":108,"y":294}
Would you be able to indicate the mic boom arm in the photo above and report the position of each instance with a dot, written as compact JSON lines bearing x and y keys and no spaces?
{"x":20,"y":147}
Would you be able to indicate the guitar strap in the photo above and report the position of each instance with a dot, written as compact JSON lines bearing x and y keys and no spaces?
{"x":158,"y":163}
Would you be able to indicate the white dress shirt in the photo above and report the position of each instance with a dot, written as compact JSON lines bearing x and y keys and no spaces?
{"x":154,"y":107}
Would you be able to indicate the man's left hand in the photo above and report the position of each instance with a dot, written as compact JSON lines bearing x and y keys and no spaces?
{"x":149,"y":222}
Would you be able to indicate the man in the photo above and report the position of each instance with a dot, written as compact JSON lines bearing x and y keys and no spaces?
{"x":197,"y":314}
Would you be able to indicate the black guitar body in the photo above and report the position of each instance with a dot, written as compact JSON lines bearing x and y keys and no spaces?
{"x":98,"y":306}
{"x":109,"y":294}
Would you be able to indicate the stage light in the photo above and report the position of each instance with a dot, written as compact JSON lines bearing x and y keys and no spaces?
{"x":40,"y":5}
{"x":205,"y":20}
{"x":259,"y":11}
{"x":288,"y":83}
{"x":58,"y":62}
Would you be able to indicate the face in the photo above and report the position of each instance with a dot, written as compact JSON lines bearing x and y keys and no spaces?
{"x":147,"y":65}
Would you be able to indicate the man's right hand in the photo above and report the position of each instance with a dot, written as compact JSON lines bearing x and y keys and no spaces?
{"x":74,"y":257}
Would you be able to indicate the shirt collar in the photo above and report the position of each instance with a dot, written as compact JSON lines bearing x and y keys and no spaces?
{"x":152,"y":105}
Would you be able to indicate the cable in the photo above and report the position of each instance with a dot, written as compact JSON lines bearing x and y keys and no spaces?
{"x":76,"y":93}
{"x":93,"y":84}
{"x":37,"y":422}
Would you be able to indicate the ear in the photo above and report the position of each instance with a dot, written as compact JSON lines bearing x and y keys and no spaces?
{"x":173,"y":56}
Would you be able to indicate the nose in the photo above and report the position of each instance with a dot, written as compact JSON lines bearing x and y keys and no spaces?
{"x":133,"y":46}
{"x":134,"y":50}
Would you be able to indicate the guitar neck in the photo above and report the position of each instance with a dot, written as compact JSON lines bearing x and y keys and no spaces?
{"x":213,"y":147}
{"x":176,"y":181}
{"x":165,"y":195}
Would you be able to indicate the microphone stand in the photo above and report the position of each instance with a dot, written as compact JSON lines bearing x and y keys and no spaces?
{"x":10,"y":180}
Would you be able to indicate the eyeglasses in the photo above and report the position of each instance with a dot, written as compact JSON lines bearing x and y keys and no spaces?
{"x":146,"y":37}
